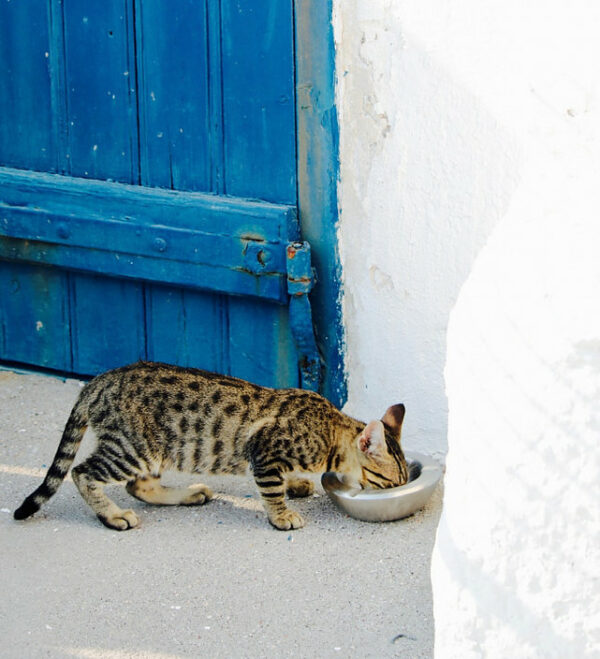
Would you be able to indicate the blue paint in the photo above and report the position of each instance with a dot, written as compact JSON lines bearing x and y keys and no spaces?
{"x":187,"y":152}
{"x":34,"y":314}
{"x":101,"y":124}
{"x":98,"y":342}
{"x":174,"y":100}
{"x":185,"y":308}
{"x":317,"y":147}
{"x":258,"y":99}
{"x":25,"y":143}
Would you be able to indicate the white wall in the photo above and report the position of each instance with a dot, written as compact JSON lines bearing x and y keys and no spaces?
{"x":469,"y":125}
{"x":516,"y":566}
{"x":426,"y":171}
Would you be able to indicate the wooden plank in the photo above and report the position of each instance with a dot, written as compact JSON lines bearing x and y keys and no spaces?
{"x":100,"y":90}
{"x":215,"y":88}
{"x":96,"y":103}
{"x":146,"y":233}
{"x":173,"y":94}
{"x":190,"y":210}
{"x":186,"y":327}
{"x":26,"y":129}
{"x":181,"y":148}
{"x":137,"y":239}
{"x":58,"y":86}
{"x":34,"y":301}
{"x":194,"y":275}
{"x":34,"y":316}
{"x":258,"y":100}
{"x":106,"y":331}
{"x":259,"y":162}
{"x":261,"y":348}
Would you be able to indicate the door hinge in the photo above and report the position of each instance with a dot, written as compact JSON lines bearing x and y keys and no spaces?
{"x":301,"y":277}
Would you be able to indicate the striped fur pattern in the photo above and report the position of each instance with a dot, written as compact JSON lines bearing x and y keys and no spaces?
{"x":150,"y":417}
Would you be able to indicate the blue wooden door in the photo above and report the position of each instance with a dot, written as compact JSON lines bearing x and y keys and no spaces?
{"x":149,"y":186}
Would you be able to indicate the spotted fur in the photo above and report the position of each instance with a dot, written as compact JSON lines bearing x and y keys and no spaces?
{"x":149,"y":417}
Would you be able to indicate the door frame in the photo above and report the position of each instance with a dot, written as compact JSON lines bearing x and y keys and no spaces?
{"x":317,"y":142}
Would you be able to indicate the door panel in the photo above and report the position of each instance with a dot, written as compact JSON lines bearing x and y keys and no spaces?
{"x":197,"y":98}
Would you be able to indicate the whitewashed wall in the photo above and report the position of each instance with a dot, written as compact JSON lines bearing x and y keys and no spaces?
{"x":426,"y":171}
{"x":470,"y":151}
{"x":516,"y":566}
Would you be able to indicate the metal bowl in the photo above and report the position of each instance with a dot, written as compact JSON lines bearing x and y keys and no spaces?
{"x":386,"y":505}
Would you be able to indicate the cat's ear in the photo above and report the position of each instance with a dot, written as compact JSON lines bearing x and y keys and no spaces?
{"x":394,"y":417}
{"x":371,"y":440}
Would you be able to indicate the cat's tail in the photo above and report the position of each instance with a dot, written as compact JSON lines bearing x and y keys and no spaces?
{"x":65,"y":454}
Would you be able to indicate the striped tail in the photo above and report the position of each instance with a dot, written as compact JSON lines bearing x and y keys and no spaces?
{"x":65,"y":454}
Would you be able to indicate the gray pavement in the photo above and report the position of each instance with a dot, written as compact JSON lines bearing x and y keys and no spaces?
{"x":213,"y":581}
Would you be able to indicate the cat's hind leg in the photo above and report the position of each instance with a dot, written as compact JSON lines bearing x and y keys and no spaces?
{"x":90,"y":477}
{"x":150,"y":490}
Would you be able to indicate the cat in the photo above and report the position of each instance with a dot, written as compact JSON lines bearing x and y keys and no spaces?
{"x":149,"y":417}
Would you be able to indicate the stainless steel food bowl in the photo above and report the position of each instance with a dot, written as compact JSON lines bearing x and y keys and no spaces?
{"x":393,"y":503}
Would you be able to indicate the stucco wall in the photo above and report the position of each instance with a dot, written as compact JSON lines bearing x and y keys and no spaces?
{"x":470,"y":151}
{"x":426,"y":171}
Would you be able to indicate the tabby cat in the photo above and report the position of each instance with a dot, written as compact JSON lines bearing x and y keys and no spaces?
{"x":149,"y":417}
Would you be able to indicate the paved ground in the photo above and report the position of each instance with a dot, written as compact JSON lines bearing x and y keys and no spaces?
{"x":215,"y":581}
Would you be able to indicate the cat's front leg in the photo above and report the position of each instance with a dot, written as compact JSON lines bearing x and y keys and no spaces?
{"x":296,"y":487}
{"x":271,"y":485}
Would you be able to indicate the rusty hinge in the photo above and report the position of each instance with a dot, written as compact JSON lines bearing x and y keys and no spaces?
{"x":301,"y":277}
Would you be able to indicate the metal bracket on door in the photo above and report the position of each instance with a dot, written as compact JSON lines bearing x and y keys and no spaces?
{"x":301,"y":277}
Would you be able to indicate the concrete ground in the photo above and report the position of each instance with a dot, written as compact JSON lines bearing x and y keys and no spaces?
{"x":212,"y":581}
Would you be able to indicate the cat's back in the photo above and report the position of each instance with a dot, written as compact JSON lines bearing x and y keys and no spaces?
{"x":165,"y":391}
{"x":157,"y":380}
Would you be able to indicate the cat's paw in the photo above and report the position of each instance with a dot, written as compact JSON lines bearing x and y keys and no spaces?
{"x":122,"y":520}
{"x":198,"y":495}
{"x":289,"y":519}
{"x":299,"y":487}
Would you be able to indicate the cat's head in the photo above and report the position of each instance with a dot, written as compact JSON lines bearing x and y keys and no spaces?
{"x":380,"y":456}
